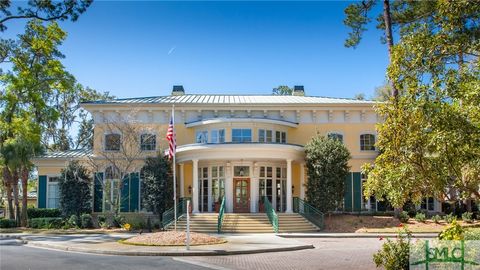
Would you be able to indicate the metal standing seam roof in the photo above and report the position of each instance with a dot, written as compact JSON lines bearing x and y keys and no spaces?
{"x":232,"y":99}
{"x":77,"y":153}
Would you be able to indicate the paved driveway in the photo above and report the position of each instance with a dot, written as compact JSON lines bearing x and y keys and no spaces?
{"x":336,"y":253}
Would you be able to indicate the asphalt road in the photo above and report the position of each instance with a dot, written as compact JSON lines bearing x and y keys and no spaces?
{"x":26,"y":258}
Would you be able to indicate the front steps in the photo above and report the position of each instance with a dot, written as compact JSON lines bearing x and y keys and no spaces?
{"x":244,"y":223}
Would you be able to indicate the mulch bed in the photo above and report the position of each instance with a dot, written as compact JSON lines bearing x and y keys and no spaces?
{"x":172,"y":238}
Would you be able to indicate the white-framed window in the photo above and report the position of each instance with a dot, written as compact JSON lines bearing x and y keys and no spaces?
{"x":112,"y":142}
{"x":53,"y":194}
{"x":111,"y":188}
{"x":367,"y":142}
{"x":148,"y":142}
{"x":280,"y":137}
{"x":240,"y":135}
{"x":265,"y":135}
{"x":428,"y":204}
{"x":335,"y":136}
{"x":201,"y":136}
{"x":218,"y":183}
{"x":217,"y":135}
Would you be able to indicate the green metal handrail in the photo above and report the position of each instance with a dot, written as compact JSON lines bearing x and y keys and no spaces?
{"x":309,"y":212}
{"x":272,"y":216}
{"x":220,"y":216}
{"x":168,"y":217}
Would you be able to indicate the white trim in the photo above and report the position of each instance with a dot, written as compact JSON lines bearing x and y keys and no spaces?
{"x":240,"y":120}
{"x":47,"y":189}
{"x":360,"y":141}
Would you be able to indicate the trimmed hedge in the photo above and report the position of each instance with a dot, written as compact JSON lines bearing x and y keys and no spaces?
{"x":7,"y":223}
{"x":43,"y":213}
{"x":46,"y":223}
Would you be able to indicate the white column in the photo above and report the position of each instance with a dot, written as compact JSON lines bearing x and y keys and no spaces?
{"x":195,"y":186}
{"x":302,"y":181}
{"x":182,"y":181}
{"x":229,"y":187}
{"x":209,"y":199}
{"x":289,"y":186}
{"x":254,"y":189}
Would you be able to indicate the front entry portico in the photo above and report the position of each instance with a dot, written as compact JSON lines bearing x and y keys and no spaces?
{"x":241,"y":195}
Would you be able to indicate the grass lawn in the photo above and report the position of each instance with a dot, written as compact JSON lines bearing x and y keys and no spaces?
{"x":383,"y":224}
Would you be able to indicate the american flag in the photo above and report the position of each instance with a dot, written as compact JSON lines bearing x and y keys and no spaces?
{"x":171,"y":139}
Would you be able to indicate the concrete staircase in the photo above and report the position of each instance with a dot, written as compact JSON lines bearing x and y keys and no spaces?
{"x":245,"y":223}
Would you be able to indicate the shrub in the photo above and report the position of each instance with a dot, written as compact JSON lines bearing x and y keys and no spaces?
{"x":118,"y":221}
{"x":136,"y":222}
{"x":75,"y":185}
{"x":43,"y":213}
{"x":403,"y":217}
{"x":473,"y":234}
{"x":7,"y":223}
{"x":453,"y":232}
{"x":450,"y":218}
{"x":102,"y":221}
{"x":86,"y":221}
{"x":436,"y":219}
{"x":394,"y":254}
{"x":73,"y":221}
{"x":467,"y":217}
{"x":46,"y":223}
{"x":420,"y":217}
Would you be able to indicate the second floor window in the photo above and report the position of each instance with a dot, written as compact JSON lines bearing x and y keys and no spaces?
{"x":280,"y":137}
{"x":217,"y":136}
{"x":201,"y":136}
{"x":335,"y":136}
{"x":148,"y":142}
{"x":367,"y":142}
{"x":265,"y":135}
{"x":112,"y":142}
{"x":241,"y":135}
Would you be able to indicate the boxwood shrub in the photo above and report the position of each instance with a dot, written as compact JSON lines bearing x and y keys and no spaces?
{"x":46,"y":223}
{"x":43,"y":213}
{"x":7,"y":223}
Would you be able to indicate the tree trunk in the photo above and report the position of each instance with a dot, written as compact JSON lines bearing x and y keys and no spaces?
{"x":389,"y":37}
{"x":15,"y":197}
{"x":25,"y":173}
{"x":7,"y":181}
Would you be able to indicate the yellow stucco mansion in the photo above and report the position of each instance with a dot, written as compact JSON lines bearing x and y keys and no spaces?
{"x":241,"y":147}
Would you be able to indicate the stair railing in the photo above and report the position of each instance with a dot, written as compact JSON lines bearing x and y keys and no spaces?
{"x":221,"y":214}
{"x":309,"y":212}
{"x":272,"y":216}
{"x":168,"y":217}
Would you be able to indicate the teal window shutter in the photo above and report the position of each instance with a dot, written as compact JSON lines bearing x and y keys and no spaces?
{"x":125,"y":194}
{"x":134,"y":192}
{"x":42,"y":191}
{"x":98,"y":192}
{"x":348,"y":193}
{"x":357,"y":191}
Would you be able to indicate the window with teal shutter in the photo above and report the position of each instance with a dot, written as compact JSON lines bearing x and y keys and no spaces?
{"x":348,"y":193}
{"x":134,"y":192}
{"x":357,"y":191}
{"x":42,"y":191}
{"x":125,"y":195}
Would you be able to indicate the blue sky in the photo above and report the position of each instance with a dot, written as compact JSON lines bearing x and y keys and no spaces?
{"x":143,"y":48}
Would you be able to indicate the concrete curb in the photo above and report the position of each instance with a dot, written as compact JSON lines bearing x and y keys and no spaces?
{"x":168,"y":253}
{"x":356,"y":235}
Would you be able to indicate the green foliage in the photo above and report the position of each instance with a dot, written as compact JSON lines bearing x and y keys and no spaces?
{"x":403,"y":217}
{"x":157,"y":191}
{"x":420,"y":217}
{"x":45,"y":10}
{"x":394,"y":254}
{"x":327,"y":164}
{"x":119,"y":220}
{"x":453,"y":232}
{"x":102,"y":221}
{"x":436,"y":219}
{"x":472,"y":234}
{"x":467,"y":217}
{"x":7,"y":223}
{"x":428,"y":143}
{"x":136,"y":222}
{"x":450,"y":218}
{"x":75,"y":186}
{"x":73,"y":221}
{"x":43,"y":212}
{"x":46,"y":223}
{"x":282,"y":90}
{"x":86,"y":221}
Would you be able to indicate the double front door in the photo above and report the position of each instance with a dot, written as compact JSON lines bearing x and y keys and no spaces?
{"x":241,"y":195}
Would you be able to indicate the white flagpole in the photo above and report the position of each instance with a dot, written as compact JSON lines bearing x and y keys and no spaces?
{"x":174,"y":169}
